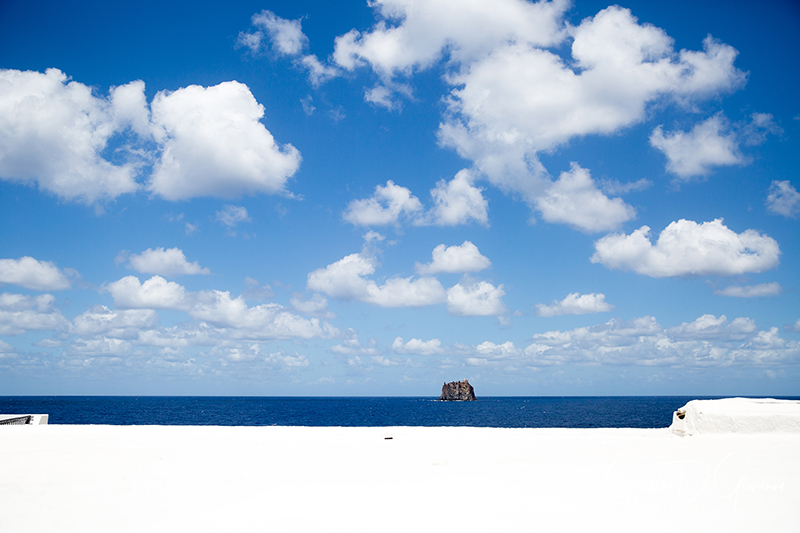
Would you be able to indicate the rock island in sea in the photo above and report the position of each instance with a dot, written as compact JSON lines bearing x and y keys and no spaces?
{"x":458,"y":391}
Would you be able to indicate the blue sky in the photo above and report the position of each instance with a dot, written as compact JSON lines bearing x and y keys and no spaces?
{"x":315,"y":198}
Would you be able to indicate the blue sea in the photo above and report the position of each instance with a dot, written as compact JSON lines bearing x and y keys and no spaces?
{"x":503,"y":412}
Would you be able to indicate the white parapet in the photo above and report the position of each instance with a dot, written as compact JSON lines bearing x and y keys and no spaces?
{"x":737,"y":415}
{"x":24,"y":420}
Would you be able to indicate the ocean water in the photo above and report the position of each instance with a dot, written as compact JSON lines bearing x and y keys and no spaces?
{"x":504,"y":412}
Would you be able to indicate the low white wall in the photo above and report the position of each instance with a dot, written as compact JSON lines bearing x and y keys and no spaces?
{"x":737,"y":415}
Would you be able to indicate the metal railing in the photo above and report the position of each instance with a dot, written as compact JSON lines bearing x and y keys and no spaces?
{"x":16,"y":421}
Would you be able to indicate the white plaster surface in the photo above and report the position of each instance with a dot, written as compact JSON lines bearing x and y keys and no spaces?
{"x":737,"y":415}
{"x":241,"y":479}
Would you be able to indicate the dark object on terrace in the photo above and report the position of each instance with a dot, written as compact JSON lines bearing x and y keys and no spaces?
{"x":458,"y":391}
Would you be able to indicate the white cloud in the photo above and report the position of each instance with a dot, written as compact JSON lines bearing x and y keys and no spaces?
{"x":279,"y":360}
{"x":712,"y":327}
{"x":35,"y":275}
{"x":688,"y":248}
{"x":101,"y":320}
{"x":475,"y":299}
{"x":457,"y":202}
{"x":100,"y":346}
{"x":417,"y":346}
{"x":347,"y":279}
{"x":417,"y":36}
{"x":317,"y":305}
{"x":521,"y":100}
{"x":386,"y":361}
{"x":228,"y":318}
{"x":710,"y":144}
{"x":355,"y":347}
{"x":232,"y":215}
{"x":513,"y":99}
{"x":385,"y":207}
{"x":169,"y":262}
{"x":287,"y":360}
{"x":794,"y":328}
{"x":214,"y":145}
{"x":209,"y":140}
{"x":454,"y":202}
{"x":382,"y":96}
{"x":286,"y":35}
{"x":616,"y":187}
{"x":574,"y":199}
{"x":287,"y":40}
{"x":6,"y":350}
{"x":576,"y":304}
{"x":19,"y":313}
{"x":783,"y":199}
{"x":455,"y":259}
{"x":406,"y":292}
{"x":53,"y":132}
{"x":155,"y":293}
{"x":489,"y":353}
{"x":243,"y":354}
{"x":755,"y":132}
{"x":266,"y":321}
{"x":317,"y":72}
{"x":707,"y":341}
{"x":751,"y":291}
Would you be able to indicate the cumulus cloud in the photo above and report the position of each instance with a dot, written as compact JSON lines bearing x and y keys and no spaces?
{"x":383,"y":208}
{"x":155,"y":293}
{"x":266,"y":321}
{"x":616,"y":187}
{"x":417,"y":346}
{"x":53,"y":132}
{"x":709,"y":341}
{"x":6,"y":350}
{"x":455,"y":259}
{"x":783,"y":199}
{"x":318,"y":72}
{"x":286,"y":35}
{"x":317,"y":305}
{"x":252,"y":353}
{"x":712,"y":143}
{"x":575,"y":304}
{"x":100,"y":347}
{"x":346,"y":279}
{"x":19,"y":313}
{"x":209,"y":141}
{"x":232,"y":215}
{"x":457,"y":202}
{"x":575,"y":200}
{"x":353,"y":346}
{"x":709,"y":144}
{"x":100,"y":320}
{"x":214,"y":145}
{"x":408,"y":38}
{"x":713,"y":327}
{"x":35,"y":275}
{"x":229,"y":317}
{"x":520,"y":100}
{"x":687,"y":248}
{"x":751,"y":291}
{"x":170,"y":262}
{"x":287,"y":40}
{"x":475,"y":299}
